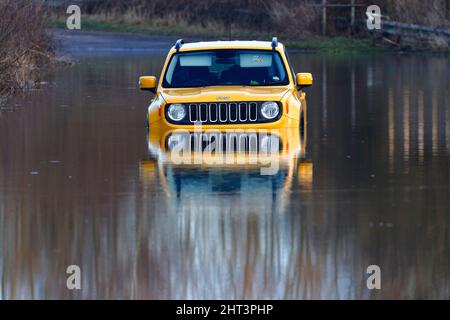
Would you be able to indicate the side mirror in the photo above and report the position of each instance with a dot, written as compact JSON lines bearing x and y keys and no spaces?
{"x":148,"y":84}
{"x":304,"y":80}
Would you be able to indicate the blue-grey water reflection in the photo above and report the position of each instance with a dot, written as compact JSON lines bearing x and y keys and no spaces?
{"x":368,"y":184}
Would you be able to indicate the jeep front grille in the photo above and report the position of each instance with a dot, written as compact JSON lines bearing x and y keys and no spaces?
{"x":231,"y":112}
{"x":223,"y":113}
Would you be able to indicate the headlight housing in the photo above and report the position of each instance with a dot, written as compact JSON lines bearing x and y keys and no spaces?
{"x":176,"y":112}
{"x":270,"y":110}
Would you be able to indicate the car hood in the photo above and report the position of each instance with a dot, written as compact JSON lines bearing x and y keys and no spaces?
{"x":223,"y":94}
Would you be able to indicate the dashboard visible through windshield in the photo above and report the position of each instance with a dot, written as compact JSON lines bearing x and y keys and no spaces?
{"x":225,"y":67}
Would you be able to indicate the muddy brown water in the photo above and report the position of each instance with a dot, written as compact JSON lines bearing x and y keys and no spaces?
{"x":78,"y":186}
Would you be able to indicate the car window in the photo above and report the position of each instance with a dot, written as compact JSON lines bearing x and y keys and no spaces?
{"x":225,"y":67}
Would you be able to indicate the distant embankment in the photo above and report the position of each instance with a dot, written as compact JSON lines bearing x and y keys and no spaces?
{"x":291,"y":20}
{"x":400,"y":33}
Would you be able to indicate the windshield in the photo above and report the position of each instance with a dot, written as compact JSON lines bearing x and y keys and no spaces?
{"x":225,"y":67}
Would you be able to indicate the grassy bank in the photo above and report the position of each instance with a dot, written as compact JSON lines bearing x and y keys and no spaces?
{"x":314,"y":44}
{"x":25,"y":46}
{"x":297,"y":23}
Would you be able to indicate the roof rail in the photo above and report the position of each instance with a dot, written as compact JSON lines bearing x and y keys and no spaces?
{"x":178,"y":44}
{"x":274,"y":43}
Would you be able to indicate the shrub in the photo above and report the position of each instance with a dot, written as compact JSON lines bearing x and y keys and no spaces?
{"x":24,"y":43}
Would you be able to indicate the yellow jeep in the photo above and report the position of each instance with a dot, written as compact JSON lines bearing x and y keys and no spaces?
{"x":227,"y":85}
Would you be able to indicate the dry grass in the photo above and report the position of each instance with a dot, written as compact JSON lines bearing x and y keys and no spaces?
{"x":294,"y":21}
{"x":432,"y":13}
{"x":25,"y":46}
{"x":291,"y":18}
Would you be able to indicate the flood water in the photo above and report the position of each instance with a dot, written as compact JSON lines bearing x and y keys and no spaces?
{"x":370,"y":185}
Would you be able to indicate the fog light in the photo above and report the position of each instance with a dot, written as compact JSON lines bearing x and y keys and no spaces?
{"x":176,"y":112}
{"x":270,"y":110}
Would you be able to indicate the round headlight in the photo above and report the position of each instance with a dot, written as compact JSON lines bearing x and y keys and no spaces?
{"x":270,"y":110}
{"x":176,"y":112}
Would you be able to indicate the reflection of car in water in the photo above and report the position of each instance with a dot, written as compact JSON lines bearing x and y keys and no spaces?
{"x":217,"y":228}
{"x":227,"y":84}
{"x":200,"y":169}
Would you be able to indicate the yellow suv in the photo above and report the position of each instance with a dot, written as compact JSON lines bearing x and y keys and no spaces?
{"x":227,"y":84}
